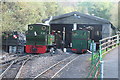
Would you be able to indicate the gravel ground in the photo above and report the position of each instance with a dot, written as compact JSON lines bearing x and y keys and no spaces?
{"x":50,"y":73}
{"x":35,"y":66}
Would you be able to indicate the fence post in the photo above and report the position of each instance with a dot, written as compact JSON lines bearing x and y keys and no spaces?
{"x":100,"y":50}
{"x":117,"y":39}
{"x":92,"y":51}
{"x":101,"y":62}
{"x":101,"y":69}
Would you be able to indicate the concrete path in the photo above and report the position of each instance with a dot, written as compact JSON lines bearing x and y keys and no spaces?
{"x":111,"y":64}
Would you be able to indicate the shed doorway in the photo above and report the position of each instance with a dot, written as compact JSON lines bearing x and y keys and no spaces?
{"x":63,"y":34}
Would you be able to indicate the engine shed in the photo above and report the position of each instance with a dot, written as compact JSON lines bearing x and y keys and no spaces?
{"x":64,"y":25}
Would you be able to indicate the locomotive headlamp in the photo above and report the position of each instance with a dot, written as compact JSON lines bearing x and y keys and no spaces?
{"x":31,"y":27}
{"x":43,"y":28}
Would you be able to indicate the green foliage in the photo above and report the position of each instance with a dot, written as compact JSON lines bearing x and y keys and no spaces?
{"x":51,"y":8}
{"x":106,"y":10}
{"x":69,"y":9}
{"x":119,"y":15}
{"x":17,"y":15}
{"x":114,"y":14}
{"x":100,"y":9}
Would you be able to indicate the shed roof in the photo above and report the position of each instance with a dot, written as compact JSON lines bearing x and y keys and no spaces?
{"x":95,"y":18}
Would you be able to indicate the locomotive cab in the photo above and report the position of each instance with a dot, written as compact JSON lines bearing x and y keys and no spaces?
{"x":80,"y":41}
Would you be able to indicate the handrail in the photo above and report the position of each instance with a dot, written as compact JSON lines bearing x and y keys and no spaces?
{"x":105,"y":45}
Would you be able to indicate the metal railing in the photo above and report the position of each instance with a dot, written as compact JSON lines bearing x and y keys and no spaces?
{"x":95,"y":64}
{"x":105,"y":45}
{"x":109,"y":43}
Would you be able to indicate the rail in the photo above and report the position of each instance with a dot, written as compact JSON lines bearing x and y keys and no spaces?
{"x":105,"y":45}
{"x":57,"y":67}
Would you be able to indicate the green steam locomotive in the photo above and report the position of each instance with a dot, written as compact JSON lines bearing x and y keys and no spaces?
{"x":38,"y":38}
{"x":80,"y":41}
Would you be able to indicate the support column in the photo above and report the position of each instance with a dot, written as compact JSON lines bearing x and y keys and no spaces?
{"x":75,"y":26}
{"x":63,"y":42}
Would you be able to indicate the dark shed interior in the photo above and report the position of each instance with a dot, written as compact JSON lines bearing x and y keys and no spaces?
{"x":95,"y":33}
{"x":65,"y":34}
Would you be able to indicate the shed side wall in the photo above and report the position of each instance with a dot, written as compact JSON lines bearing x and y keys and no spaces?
{"x":106,"y":30}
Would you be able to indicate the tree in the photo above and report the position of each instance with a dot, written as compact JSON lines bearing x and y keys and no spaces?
{"x":52,"y":8}
{"x":114,"y":14}
{"x":119,"y":15}
{"x":106,"y":10}
{"x":69,"y":9}
{"x":100,"y":9}
{"x":17,"y":15}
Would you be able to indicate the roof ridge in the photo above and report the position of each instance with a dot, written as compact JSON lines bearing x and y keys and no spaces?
{"x":80,"y":14}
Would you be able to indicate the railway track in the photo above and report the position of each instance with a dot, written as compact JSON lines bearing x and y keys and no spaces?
{"x":5,"y":63}
{"x":52,"y":71}
{"x":16,"y":59}
{"x":10,"y":58}
{"x":15,"y":67}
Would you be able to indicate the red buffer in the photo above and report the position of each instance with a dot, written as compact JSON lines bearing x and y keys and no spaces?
{"x":36,"y":49}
